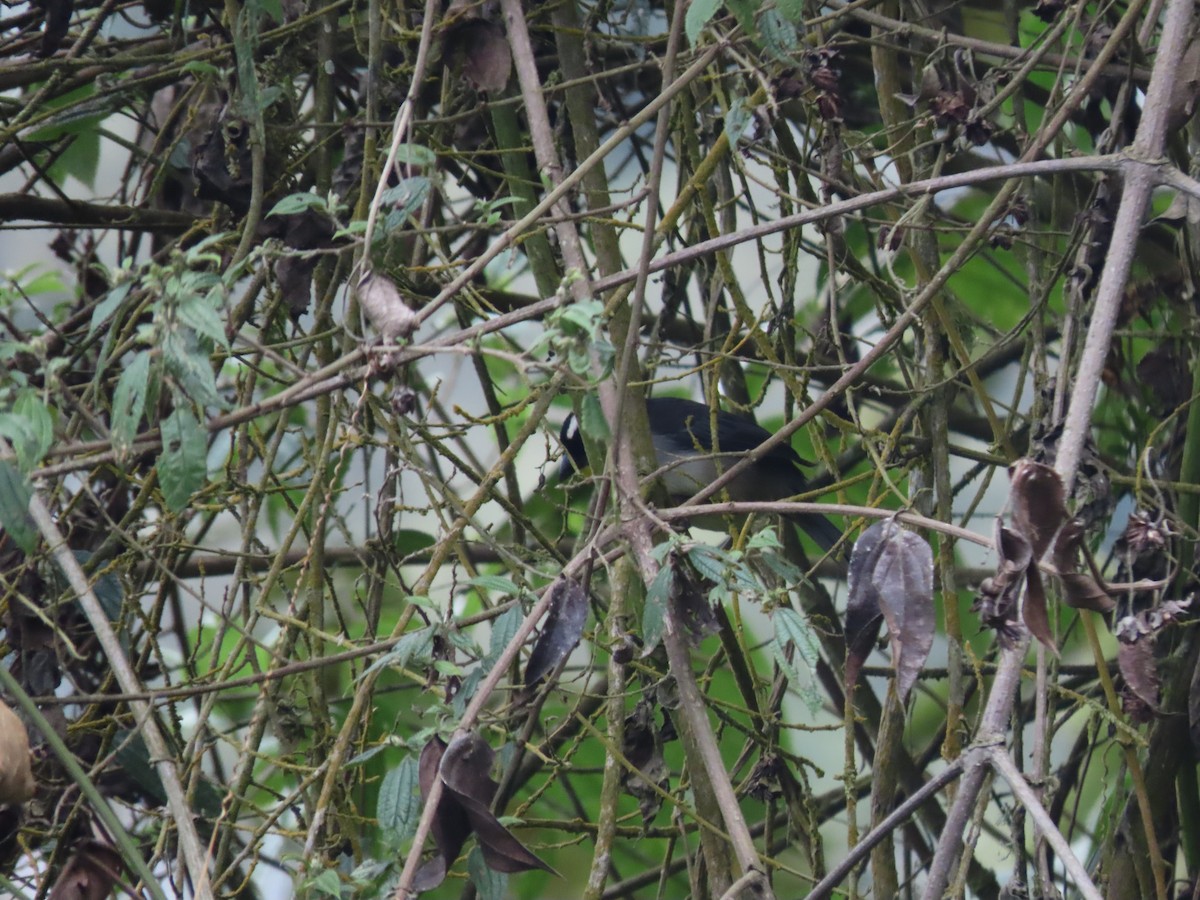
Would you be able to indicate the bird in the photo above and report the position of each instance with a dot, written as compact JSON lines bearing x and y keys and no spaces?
{"x":682,"y":434}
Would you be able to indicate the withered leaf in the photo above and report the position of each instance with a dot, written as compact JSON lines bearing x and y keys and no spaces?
{"x":89,"y":874}
{"x":562,"y":631}
{"x":864,"y":618}
{"x":642,"y":746}
{"x":1039,"y":503}
{"x":450,"y":826}
{"x":1080,"y":591}
{"x":1135,"y":655}
{"x":385,"y":308}
{"x":999,"y":595}
{"x":1033,"y":611}
{"x":898,"y":567}
{"x":16,"y":775}
{"x":690,"y":604}
{"x":1140,"y":671}
{"x":465,"y":770}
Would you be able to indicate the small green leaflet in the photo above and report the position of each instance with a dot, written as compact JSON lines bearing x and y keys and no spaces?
{"x":699,"y":13}
{"x":129,"y":402}
{"x":791,"y":628}
{"x":298,"y":203}
{"x":199,"y":312}
{"x":415,"y":155}
{"x":15,"y":494}
{"x":504,"y":629}
{"x":414,"y":645}
{"x":654,"y":616}
{"x":778,"y":35}
{"x":591,"y":419}
{"x":327,"y":882}
{"x":29,"y":428}
{"x":182,"y":468}
{"x":191,"y":366}
{"x":104,"y":310}
{"x":737,"y":120}
{"x":497,"y":583}
{"x":398,"y":806}
{"x":489,"y":884}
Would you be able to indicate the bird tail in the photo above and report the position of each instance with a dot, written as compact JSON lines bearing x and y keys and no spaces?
{"x":819,"y":528}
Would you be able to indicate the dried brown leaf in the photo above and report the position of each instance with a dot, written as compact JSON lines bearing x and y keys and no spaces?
{"x":642,"y":746}
{"x":562,"y":631}
{"x":385,"y":308}
{"x":897,"y":567}
{"x":998,"y":596}
{"x":16,"y":775}
{"x":465,"y":771}
{"x":1039,"y":503}
{"x":1080,"y":591}
{"x":1033,"y":611}
{"x":450,"y":825}
{"x":864,"y":618}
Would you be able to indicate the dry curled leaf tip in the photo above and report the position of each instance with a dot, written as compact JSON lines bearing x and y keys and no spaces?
{"x":384,"y":307}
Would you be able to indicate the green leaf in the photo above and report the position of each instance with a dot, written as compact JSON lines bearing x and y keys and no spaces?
{"x":792,"y":628}
{"x":737,"y":120}
{"x":414,"y":645}
{"x":298,"y":203}
{"x":29,"y":428}
{"x":489,"y":884}
{"x":415,"y":155}
{"x":327,"y":882}
{"x":497,"y":583}
{"x":792,"y":10}
{"x":107,"y":588}
{"x":191,"y":366}
{"x":778,"y":35}
{"x":398,"y":807}
{"x":104,"y":310}
{"x":504,"y":629}
{"x":181,"y":466}
{"x":449,"y":669}
{"x":404,"y":199}
{"x":708,"y":561}
{"x":409,"y":540}
{"x":199,"y":312}
{"x":699,"y":13}
{"x":654,"y":616}
{"x":592,"y":421}
{"x":129,"y":402}
{"x":15,"y":494}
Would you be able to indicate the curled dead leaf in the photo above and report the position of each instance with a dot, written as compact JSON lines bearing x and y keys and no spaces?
{"x":385,"y":308}
{"x":464,"y":766}
{"x":16,"y":774}
{"x":1136,"y":658}
{"x":864,"y":618}
{"x":562,"y":631}
{"x":1080,"y":590}
{"x":999,"y":595}
{"x":1038,"y":503}
{"x":895,"y":567}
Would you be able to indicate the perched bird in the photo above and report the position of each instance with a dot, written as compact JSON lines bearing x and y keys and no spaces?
{"x":682,"y":434}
